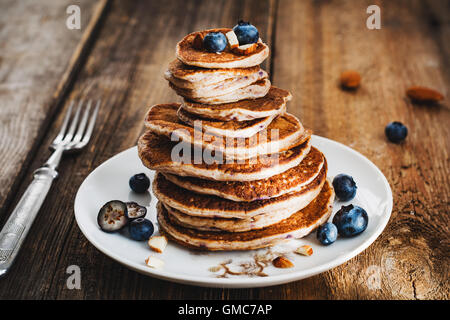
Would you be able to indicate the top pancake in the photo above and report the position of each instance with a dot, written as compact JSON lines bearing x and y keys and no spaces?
{"x":285,"y":132}
{"x":201,"y":58}
{"x":272,"y":104}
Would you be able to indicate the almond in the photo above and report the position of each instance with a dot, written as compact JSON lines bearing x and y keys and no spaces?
{"x":232,"y":39}
{"x":157,"y":243}
{"x":305,"y":250}
{"x":153,"y":262}
{"x":423,"y":94}
{"x":198,"y":41}
{"x":215,"y":269}
{"x":282,"y":262}
{"x":350,"y":79}
{"x":245,"y":49}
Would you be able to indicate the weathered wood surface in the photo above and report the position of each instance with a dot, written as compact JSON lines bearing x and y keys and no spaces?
{"x":412,"y":255}
{"x":37,"y":55}
{"x":313,"y":41}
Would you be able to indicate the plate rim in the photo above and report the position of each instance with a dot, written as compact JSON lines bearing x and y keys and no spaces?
{"x":242,"y":282}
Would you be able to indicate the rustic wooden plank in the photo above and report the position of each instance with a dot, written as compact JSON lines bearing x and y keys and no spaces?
{"x":125,"y":69}
{"x":315,"y":42}
{"x":35,"y":70}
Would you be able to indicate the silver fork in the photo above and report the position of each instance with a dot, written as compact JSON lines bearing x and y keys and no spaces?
{"x":70,"y":138}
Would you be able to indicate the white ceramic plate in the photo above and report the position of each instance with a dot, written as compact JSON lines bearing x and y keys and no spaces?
{"x":110,"y":181}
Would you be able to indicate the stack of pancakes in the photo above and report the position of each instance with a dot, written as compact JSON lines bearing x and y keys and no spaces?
{"x":234,"y":170}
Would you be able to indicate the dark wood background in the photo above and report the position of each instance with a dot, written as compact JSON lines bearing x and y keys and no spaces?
{"x":120,"y":54}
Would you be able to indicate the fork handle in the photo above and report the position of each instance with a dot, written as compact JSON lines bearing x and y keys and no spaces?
{"x":21,"y":219}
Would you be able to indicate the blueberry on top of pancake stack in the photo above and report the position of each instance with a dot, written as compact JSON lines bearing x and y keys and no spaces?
{"x":235,"y":171}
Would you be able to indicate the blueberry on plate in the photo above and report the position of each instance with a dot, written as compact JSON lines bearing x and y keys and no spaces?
{"x":135,"y":211}
{"x":215,"y":42}
{"x":112,"y":216}
{"x":246,"y":33}
{"x":344,"y":187}
{"x":140,"y":229}
{"x":327,"y":233}
{"x":351,"y":220}
{"x":396,"y":132}
{"x":139,"y":183}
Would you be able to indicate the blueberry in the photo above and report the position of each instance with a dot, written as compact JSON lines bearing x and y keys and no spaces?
{"x":112,"y":216}
{"x":140,"y":229}
{"x":246,"y":33}
{"x":344,"y":187}
{"x":396,"y":132}
{"x":139,"y":183}
{"x":351,"y":220}
{"x":327,"y":233}
{"x":215,"y":42}
{"x":135,"y":211}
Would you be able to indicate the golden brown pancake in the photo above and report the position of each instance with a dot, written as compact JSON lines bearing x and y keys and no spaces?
{"x":217,"y":88}
{"x":211,"y":82}
{"x":195,"y":74}
{"x":285,"y":132}
{"x":230,"y":224}
{"x":209,"y":206}
{"x":297,"y":225}
{"x":272,"y":104}
{"x":257,"y":89}
{"x":290,"y":180}
{"x":229,"y":128}
{"x":155,"y":153}
{"x":201,"y":58}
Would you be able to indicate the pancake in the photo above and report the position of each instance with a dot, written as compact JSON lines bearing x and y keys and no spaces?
{"x":229,"y":128}
{"x":223,"y":224}
{"x":254,"y":90}
{"x":200,"y":90}
{"x":272,"y":104}
{"x":208,"y":206}
{"x":155,"y":153}
{"x":202,"y":76}
{"x":283,"y":133}
{"x":297,"y":225}
{"x":189,"y":55}
{"x":291,"y":180}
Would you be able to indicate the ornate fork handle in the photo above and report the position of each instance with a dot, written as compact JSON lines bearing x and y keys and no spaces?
{"x":21,"y":219}
{"x":73,"y":137}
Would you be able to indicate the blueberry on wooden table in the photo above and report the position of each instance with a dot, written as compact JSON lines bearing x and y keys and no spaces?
{"x":246,"y":33}
{"x":327,"y":233}
{"x":112,"y":216}
{"x":139,"y":183}
{"x":344,"y":187}
{"x":396,"y":132}
{"x":135,"y":211}
{"x":140,"y":229}
{"x":215,"y":42}
{"x":351,"y":220}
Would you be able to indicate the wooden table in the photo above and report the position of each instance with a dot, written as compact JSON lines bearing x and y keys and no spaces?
{"x":120,"y":54}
